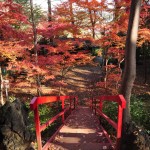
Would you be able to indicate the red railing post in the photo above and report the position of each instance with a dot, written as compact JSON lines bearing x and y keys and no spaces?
{"x":77,"y":100}
{"x":119,"y":127}
{"x":74,"y":102}
{"x":63,"y":106}
{"x":100,"y":105}
{"x":70,"y":104}
{"x":100,"y":108}
{"x":92,"y":103}
{"x":95,"y":105}
{"x":37,"y":126}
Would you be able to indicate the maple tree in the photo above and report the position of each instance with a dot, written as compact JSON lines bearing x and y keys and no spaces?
{"x":113,"y":71}
{"x":86,"y":15}
{"x":25,"y":42}
{"x":11,"y":31}
{"x":93,"y":17}
{"x":114,"y":34}
{"x":61,"y":54}
{"x":15,"y":41}
{"x":112,"y":43}
{"x":96,"y":21}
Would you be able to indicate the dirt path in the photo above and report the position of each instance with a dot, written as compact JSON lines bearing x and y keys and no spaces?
{"x":81,"y":132}
{"x":81,"y":81}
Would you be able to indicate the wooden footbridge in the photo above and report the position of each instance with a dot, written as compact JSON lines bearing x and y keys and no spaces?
{"x":81,"y":130}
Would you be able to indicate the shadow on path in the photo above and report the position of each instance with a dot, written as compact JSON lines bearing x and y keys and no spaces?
{"x":81,"y":132}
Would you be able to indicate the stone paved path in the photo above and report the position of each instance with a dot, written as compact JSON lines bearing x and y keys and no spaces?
{"x":81,"y":132}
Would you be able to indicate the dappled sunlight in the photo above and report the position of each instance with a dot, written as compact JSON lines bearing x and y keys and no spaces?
{"x":81,"y":131}
{"x":67,"y":129}
{"x":69,"y":139}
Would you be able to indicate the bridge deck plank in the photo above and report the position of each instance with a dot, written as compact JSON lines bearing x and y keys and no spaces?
{"x":80,"y":132}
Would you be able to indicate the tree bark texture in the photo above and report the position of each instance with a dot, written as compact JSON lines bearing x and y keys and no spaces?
{"x":130,"y":56}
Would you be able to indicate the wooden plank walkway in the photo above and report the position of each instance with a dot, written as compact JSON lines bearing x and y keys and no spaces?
{"x":81,"y":132}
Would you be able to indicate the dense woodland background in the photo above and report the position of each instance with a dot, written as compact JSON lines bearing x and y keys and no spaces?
{"x":40,"y":49}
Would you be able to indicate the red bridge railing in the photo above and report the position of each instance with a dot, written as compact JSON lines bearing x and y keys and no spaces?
{"x":97,"y":105}
{"x":36,"y":101}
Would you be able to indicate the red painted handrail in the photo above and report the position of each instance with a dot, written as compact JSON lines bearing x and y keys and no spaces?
{"x":121,"y":105}
{"x":49,"y":99}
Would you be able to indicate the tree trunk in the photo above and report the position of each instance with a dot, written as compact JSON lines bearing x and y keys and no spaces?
{"x":1,"y":88}
{"x":130,"y":73}
{"x":145,"y":62}
{"x":35,"y":47}
{"x":106,"y":72}
{"x":71,"y":12}
{"x":130,"y":57}
{"x":92,"y":20}
{"x":49,"y":10}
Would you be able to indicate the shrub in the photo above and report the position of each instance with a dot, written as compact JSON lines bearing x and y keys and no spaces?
{"x":140,"y":111}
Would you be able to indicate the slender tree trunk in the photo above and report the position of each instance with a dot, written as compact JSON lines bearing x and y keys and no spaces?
{"x":145,"y":63}
{"x":106,"y":72}
{"x":92,"y":23}
{"x":35,"y":46}
{"x":49,"y":10}
{"x":1,"y":88}
{"x":119,"y":67}
{"x":71,"y":12}
{"x":92,"y":20}
{"x":130,"y":57}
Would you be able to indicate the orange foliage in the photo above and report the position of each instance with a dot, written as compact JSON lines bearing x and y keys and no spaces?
{"x":85,"y":19}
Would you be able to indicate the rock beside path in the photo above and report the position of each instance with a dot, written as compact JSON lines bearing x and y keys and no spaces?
{"x":14,"y":134}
